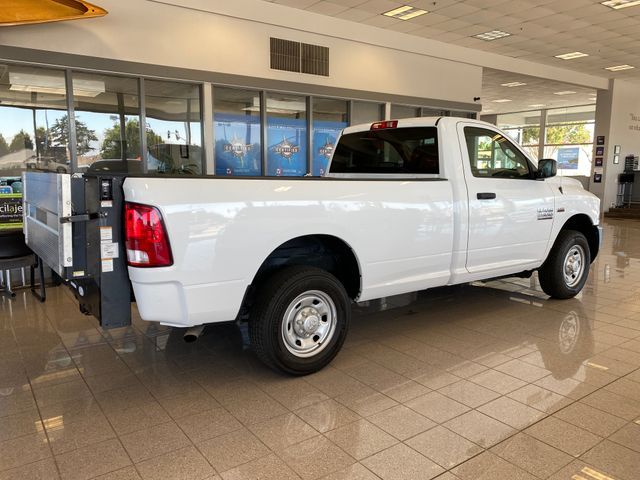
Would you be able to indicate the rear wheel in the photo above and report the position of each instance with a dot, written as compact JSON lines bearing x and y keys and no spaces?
{"x":566,"y":269}
{"x":300,"y":319}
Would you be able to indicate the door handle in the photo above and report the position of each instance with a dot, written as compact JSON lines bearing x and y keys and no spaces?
{"x":486,"y":196}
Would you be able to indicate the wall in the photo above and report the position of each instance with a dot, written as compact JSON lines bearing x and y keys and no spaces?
{"x":615,"y":110}
{"x":162,"y":34}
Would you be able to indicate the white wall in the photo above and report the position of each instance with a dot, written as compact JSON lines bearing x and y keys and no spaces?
{"x":614,"y":111}
{"x":162,"y":34}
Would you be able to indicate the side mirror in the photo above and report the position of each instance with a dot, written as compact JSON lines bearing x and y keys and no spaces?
{"x":547,"y":168}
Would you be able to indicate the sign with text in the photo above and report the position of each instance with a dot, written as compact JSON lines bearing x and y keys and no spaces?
{"x":237,"y":145}
{"x":287,"y":152}
{"x":568,"y":158}
{"x":10,"y":211}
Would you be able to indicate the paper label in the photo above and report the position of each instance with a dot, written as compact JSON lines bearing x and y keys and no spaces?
{"x":106,"y":204}
{"x":106,"y":234}
{"x":107,"y":265}
{"x":108,"y":250}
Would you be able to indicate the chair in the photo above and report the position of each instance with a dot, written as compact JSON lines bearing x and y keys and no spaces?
{"x":14,"y":253}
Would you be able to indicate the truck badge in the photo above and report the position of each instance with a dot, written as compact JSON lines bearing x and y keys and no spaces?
{"x":545,"y":213}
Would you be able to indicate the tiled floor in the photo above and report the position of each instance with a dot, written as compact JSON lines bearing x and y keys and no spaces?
{"x":489,"y":381}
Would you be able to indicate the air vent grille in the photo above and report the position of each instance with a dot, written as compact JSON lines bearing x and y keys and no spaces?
{"x":299,"y":57}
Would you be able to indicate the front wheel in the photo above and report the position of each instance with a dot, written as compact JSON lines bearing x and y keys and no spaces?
{"x":300,"y":319}
{"x":566,"y":269}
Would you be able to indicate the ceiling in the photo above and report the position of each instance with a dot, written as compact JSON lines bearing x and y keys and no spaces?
{"x":536,"y":94}
{"x":540,"y":29}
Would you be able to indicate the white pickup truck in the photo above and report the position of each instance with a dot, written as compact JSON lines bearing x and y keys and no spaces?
{"x":406,"y":205}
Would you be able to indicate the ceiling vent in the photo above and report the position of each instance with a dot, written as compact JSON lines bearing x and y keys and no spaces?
{"x":299,"y":57}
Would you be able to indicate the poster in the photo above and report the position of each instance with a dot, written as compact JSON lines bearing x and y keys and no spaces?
{"x":10,"y":211}
{"x":287,"y":147}
{"x":600,"y":140}
{"x":237,"y":145}
{"x":568,"y":158}
{"x":324,"y":141}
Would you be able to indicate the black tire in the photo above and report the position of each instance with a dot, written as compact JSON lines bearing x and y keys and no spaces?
{"x":275,"y":299}
{"x":552,"y":272}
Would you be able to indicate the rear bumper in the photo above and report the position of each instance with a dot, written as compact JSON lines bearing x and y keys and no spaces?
{"x":172,"y":303}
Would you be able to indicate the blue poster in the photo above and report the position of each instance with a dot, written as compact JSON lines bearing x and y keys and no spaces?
{"x":287,"y":153}
{"x":324,"y":142}
{"x":237,"y":145}
{"x":568,"y":158}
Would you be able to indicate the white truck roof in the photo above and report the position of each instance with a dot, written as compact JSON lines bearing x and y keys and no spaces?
{"x":414,"y":122}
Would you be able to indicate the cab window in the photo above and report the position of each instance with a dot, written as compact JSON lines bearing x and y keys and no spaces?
{"x":493,"y":155}
{"x":412,"y":150}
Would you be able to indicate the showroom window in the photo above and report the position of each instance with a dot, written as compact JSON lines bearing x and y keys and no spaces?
{"x":236,"y":123}
{"x":523,"y":128}
{"x":569,"y":139}
{"x":286,"y":135}
{"x":492,"y":155}
{"x":366,"y":112}
{"x":404,"y":111}
{"x":330,"y":116}
{"x":174,"y":127}
{"x":107,"y":123}
{"x":33,"y":122}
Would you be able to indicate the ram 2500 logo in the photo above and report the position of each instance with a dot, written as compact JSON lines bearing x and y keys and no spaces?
{"x":545,"y":213}
{"x":286,"y":149}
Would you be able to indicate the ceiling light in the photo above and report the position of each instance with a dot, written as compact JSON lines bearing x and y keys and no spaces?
{"x":502,"y":100}
{"x":618,"y":4}
{"x":513,"y":84}
{"x":406,"y":12}
{"x":564,"y":92}
{"x":536,"y":105}
{"x":617,"y":68}
{"x":492,"y":35}
{"x":572,"y":55}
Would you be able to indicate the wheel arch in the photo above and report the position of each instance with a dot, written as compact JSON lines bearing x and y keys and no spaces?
{"x":582,"y":223}
{"x":323,"y":251}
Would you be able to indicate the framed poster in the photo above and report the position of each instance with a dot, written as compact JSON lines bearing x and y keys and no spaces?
{"x":616,"y":149}
{"x":597,"y":178}
{"x":599,"y":151}
{"x":598,"y":161}
{"x":600,"y":140}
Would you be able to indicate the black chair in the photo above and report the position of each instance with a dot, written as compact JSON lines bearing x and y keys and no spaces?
{"x":14,"y":253}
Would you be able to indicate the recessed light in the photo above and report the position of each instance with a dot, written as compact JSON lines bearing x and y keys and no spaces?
{"x":513,"y":84}
{"x":617,"y":68}
{"x":536,"y":105}
{"x":572,"y":55}
{"x":492,"y":35}
{"x":406,"y":12}
{"x":618,"y":4}
{"x":564,"y":92}
{"x":502,"y":100}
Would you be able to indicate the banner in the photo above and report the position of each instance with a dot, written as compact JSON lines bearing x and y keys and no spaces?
{"x":324,"y":142}
{"x":10,"y":211}
{"x":287,"y":153}
{"x":237,"y":145}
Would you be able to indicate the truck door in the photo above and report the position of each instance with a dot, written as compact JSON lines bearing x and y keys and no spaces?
{"x":510,"y":212}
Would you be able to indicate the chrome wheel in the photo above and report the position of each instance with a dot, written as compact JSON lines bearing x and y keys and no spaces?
{"x":309,"y":323}
{"x":573,"y":266}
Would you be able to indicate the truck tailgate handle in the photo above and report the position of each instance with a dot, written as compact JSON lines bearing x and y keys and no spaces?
{"x":486,"y":196}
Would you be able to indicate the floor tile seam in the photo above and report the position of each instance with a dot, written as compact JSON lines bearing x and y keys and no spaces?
{"x":193,"y":445}
{"x":444,"y":469}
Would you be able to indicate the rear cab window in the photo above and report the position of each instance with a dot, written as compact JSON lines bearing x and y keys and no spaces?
{"x":404,"y":150}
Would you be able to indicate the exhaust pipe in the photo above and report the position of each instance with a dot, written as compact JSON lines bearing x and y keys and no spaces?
{"x":193,"y":333}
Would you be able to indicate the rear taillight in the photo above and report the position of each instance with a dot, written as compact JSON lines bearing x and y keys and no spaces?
{"x":384,"y":125}
{"x":146,"y":238}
